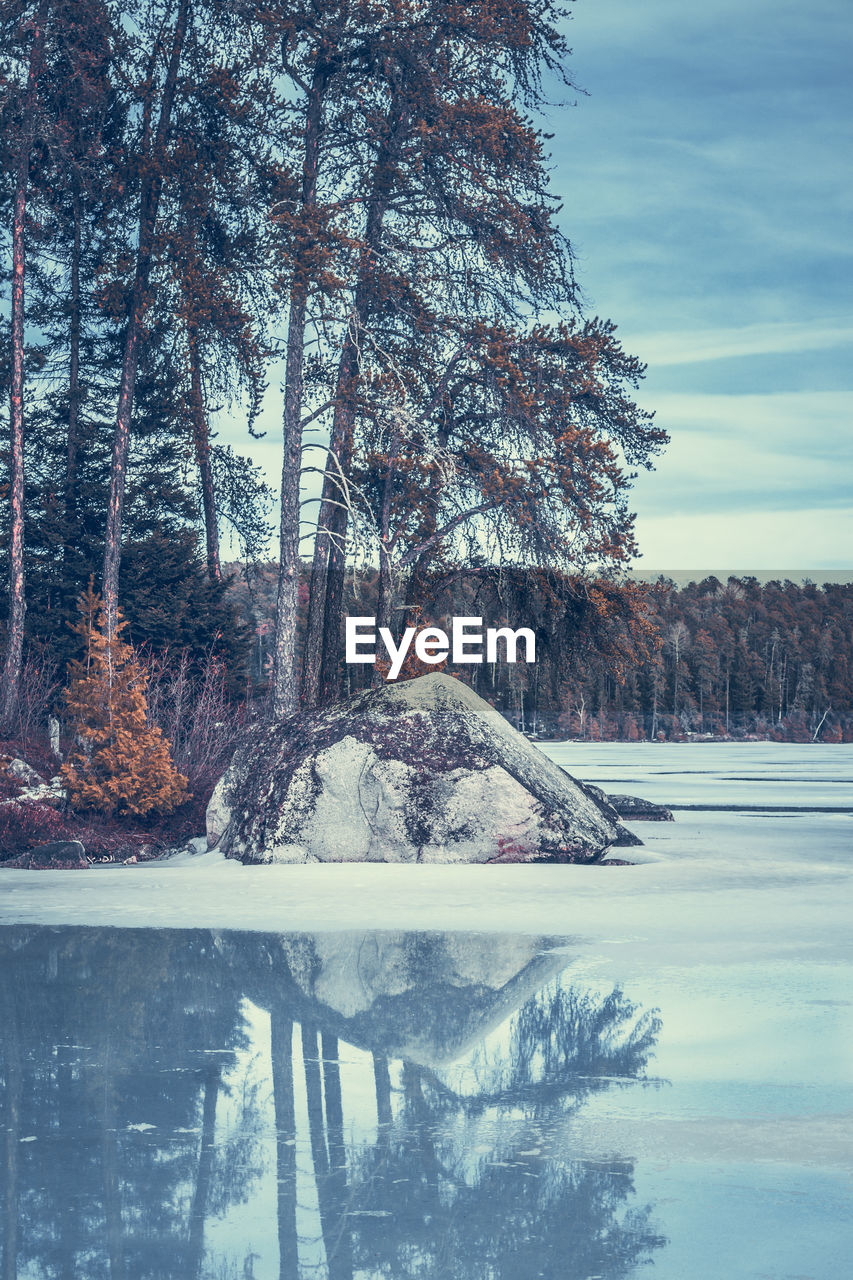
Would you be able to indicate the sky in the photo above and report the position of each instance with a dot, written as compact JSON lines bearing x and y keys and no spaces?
{"x":706,"y":182}
{"x":704,"y":172}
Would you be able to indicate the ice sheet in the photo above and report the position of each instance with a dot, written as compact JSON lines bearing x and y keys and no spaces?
{"x":754,"y":774}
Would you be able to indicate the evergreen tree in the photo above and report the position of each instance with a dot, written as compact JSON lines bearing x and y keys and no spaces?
{"x":118,"y":765}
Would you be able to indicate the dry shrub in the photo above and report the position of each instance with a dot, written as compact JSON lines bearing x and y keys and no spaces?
{"x":192,"y":708}
{"x":37,"y":697}
{"x":10,"y":787}
{"x":24,"y":826}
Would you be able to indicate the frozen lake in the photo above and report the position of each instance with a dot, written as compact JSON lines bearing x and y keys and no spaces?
{"x":503,"y":1072}
{"x":752,"y":775}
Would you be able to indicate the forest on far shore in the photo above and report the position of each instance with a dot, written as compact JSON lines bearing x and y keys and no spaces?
{"x":635,"y":661}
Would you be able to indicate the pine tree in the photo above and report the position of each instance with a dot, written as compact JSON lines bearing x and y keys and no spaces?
{"x":119,"y":765}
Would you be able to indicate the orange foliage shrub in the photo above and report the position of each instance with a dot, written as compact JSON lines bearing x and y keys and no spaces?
{"x":119,"y":764}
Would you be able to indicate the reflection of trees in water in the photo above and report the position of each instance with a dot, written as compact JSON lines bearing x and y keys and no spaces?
{"x":108,"y":1029}
{"x":564,"y":1044}
{"x":508,"y":1217}
{"x":508,"y":1213}
{"x":415,"y":1202}
{"x":115,"y":1029}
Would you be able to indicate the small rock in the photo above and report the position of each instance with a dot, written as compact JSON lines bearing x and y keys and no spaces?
{"x":218,"y":815}
{"x":624,"y":837}
{"x":52,"y":793}
{"x":198,"y":844}
{"x":635,"y":809}
{"x":23,"y":773}
{"x":58,"y":855}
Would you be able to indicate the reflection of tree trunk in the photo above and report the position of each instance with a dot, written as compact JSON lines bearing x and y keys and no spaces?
{"x":336,"y":1243}
{"x":382,"y":1082}
{"x":413,"y":1088}
{"x":332,"y":1094}
{"x":68,"y":1108}
{"x":281,"y":1037}
{"x":12,"y":1068}
{"x":112,"y":1189}
{"x":314,"y":1095}
{"x":198,"y":1209}
{"x":339,"y":1256}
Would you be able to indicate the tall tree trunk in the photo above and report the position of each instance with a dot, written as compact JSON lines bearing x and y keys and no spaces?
{"x":201,"y":444}
{"x":285,"y":676}
{"x":17,"y":596}
{"x":386,"y":614}
{"x":385,"y":597}
{"x":321,"y":657}
{"x":152,"y":187}
{"x":74,"y":331}
{"x":281,"y":1048}
{"x":323,"y":638}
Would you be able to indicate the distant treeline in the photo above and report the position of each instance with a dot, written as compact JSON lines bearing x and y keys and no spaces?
{"x":638,"y":661}
{"x":734,"y":658}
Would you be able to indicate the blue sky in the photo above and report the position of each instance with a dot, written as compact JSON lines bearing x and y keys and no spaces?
{"x":707,"y":191}
{"x":705,"y":178}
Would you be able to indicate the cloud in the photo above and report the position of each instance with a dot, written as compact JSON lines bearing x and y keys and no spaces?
{"x":746,"y":459}
{"x":809,"y":423}
{"x":691,"y":347}
{"x":701,"y":175}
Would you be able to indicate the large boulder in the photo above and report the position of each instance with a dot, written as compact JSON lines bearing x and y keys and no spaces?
{"x":421,"y":771}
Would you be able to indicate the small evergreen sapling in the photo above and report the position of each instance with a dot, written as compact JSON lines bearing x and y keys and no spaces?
{"x":119,"y":765}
